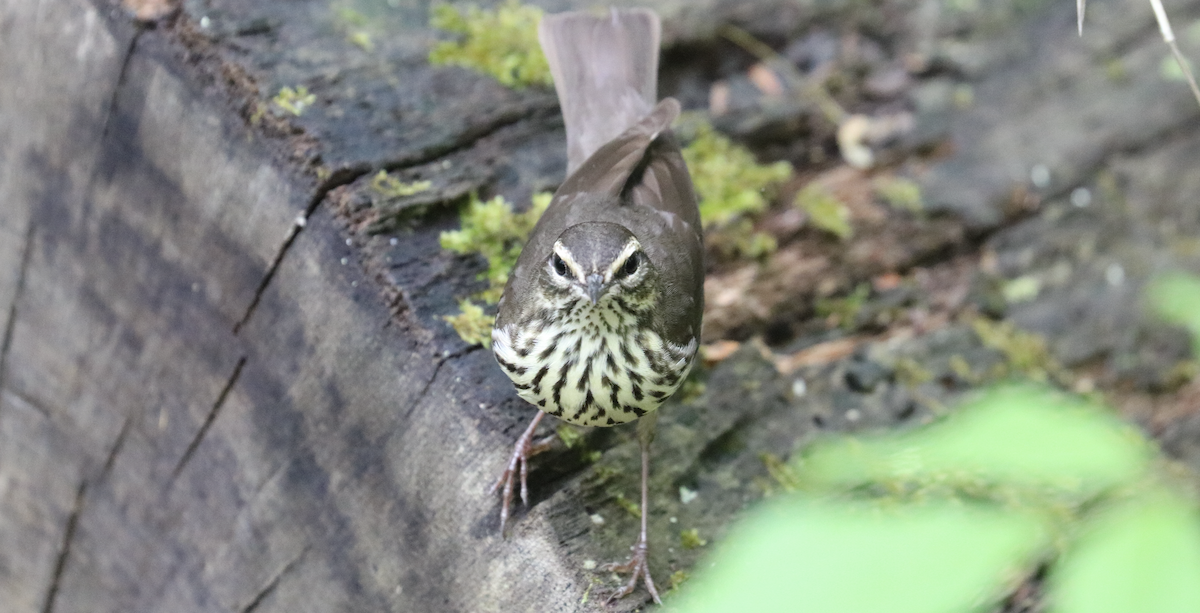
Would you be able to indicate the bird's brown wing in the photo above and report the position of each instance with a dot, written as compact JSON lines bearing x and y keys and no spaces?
{"x":608,"y":170}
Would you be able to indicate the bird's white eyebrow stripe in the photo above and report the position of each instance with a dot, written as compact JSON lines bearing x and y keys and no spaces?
{"x":572,"y":265}
{"x":631,"y":246}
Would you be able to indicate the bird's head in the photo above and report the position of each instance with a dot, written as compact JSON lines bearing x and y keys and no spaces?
{"x":598,"y":260}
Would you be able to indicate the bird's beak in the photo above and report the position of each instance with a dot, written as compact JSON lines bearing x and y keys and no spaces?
{"x":595,"y":286}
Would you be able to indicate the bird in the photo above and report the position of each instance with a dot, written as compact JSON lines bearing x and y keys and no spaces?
{"x":600,"y":319}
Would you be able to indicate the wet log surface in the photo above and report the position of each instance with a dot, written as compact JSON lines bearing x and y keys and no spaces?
{"x":226,"y":383}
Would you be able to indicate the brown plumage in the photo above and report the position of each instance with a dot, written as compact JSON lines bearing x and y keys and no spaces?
{"x":600,"y":319}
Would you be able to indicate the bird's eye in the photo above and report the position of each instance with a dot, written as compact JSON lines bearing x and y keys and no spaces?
{"x":560,"y":266}
{"x":630,"y":266}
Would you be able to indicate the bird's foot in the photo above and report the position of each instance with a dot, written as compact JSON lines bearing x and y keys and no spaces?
{"x":524,"y":449}
{"x":637,"y":567}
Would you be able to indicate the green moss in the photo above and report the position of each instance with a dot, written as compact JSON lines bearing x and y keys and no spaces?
{"x":630,"y":506}
{"x":740,"y":239}
{"x":494,"y":231}
{"x":677,"y":579}
{"x":390,"y":187}
{"x":347,"y":16}
{"x":1116,"y":71}
{"x":1021,"y":289}
{"x":729,"y":181}
{"x":502,"y":42}
{"x":569,"y":435}
{"x":962,"y":369}
{"x":692,"y":388}
{"x":781,"y":473}
{"x":294,"y":101}
{"x":1025,"y":353}
{"x":362,"y":40}
{"x":605,"y":473}
{"x":910,"y":373}
{"x":825,"y":211}
{"x":690,"y":539}
{"x":1181,"y":374}
{"x":900,"y":193}
{"x":472,"y":324}
{"x":844,"y":311}
{"x":354,"y":24}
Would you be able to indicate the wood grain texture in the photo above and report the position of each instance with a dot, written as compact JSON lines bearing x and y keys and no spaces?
{"x":156,"y":461}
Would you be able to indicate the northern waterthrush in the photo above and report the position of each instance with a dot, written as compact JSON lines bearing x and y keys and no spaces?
{"x":600,"y":319}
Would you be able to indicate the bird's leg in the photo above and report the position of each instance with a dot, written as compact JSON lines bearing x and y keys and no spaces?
{"x":525,"y":448}
{"x":638,"y":564}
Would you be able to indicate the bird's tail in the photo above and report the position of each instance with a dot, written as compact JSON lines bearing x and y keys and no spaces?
{"x":605,"y":71}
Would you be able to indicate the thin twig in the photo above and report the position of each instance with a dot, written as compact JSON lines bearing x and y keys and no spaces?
{"x":1164,"y":25}
{"x":829,"y":107}
{"x":1169,"y":36}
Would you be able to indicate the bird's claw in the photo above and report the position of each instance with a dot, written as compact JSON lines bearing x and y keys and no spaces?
{"x":524,"y":449}
{"x":637,"y":567}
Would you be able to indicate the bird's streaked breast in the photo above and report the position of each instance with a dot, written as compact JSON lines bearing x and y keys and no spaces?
{"x":592,"y":365}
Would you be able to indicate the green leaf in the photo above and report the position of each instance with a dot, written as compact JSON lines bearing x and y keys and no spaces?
{"x":831,"y":557}
{"x":1020,"y":436}
{"x":1143,"y":556}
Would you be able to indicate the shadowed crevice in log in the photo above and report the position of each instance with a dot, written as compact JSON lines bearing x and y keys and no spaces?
{"x":64,"y":550}
{"x":273,"y":583}
{"x":122,"y":76}
{"x":10,"y":325}
{"x":433,"y":377}
{"x":1182,"y":132}
{"x":28,"y":402}
{"x":208,"y":421}
{"x":117,"y":446}
{"x":492,"y":123}
{"x":339,"y":178}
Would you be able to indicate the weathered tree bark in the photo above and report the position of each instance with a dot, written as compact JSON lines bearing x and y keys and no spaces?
{"x":225,"y":383}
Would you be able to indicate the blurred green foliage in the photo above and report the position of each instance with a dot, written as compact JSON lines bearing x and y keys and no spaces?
{"x":502,"y":43}
{"x":843,"y":312}
{"x":1176,"y":298}
{"x":953,"y":516}
{"x":806,"y":555}
{"x":739,"y":239}
{"x":900,"y":193}
{"x":825,"y":211}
